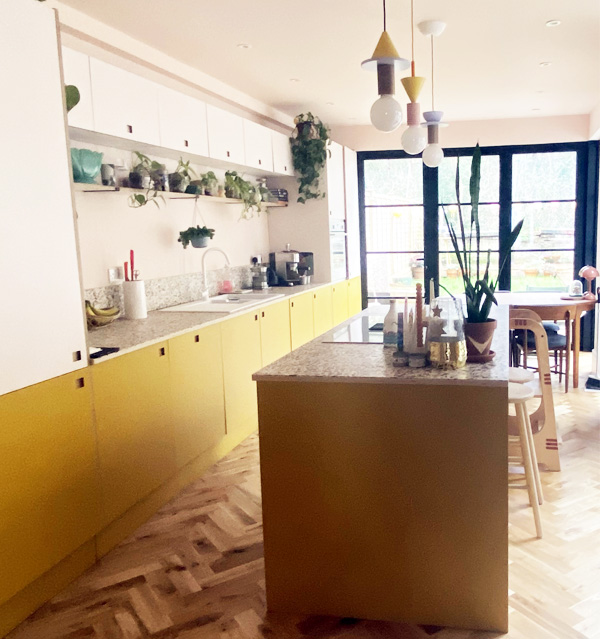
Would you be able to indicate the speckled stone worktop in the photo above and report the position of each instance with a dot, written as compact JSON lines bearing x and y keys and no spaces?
{"x":131,"y":335}
{"x":323,"y":361}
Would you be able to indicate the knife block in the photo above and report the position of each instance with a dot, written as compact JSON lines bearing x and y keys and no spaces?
{"x":134,"y":298}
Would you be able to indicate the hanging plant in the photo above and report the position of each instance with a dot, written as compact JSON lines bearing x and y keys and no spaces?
{"x":309,"y":153}
{"x":196,"y":236}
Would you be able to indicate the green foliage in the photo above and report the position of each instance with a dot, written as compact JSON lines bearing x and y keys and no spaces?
{"x":479,"y":289}
{"x":146,"y":166}
{"x":237,"y":187}
{"x":209,"y":180}
{"x":72,"y":96}
{"x":137,"y":200}
{"x":185,"y":237}
{"x":184,"y":169}
{"x":309,"y":153}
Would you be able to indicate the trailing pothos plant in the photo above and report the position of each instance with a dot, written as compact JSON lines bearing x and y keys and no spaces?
{"x":309,"y":153}
{"x":237,"y":187}
{"x":479,"y":286}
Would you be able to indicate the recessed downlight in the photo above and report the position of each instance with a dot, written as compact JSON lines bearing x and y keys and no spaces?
{"x":545,"y":64}
{"x":294,"y":79}
{"x":536,"y":109}
{"x":552,"y":23}
{"x":244,"y":45}
{"x":330,"y":103}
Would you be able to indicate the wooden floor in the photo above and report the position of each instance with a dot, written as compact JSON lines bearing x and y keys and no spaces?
{"x":195,"y":570}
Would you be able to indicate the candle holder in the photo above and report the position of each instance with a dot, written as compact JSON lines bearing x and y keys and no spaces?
{"x":445,"y":334}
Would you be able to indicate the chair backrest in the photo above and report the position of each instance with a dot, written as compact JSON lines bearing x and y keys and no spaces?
{"x":521,"y":319}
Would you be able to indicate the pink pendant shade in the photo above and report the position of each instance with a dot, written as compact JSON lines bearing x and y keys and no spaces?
{"x":589,"y":273}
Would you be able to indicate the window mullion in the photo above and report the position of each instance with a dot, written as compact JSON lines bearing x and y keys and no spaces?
{"x":431,"y":239}
{"x":505,"y":217}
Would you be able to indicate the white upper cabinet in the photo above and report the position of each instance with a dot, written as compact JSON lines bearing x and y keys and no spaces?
{"x":282,"y":154}
{"x":258,"y":146}
{"x":125,"y":104}
{"x":225,"y":135}
{"x":42,"y":324}
{"x":335,"y":181}
{"x":76,"y":70}
{"x":182,"y":122}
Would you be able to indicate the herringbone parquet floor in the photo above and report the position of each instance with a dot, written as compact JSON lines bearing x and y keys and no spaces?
{"x":195,"y":570}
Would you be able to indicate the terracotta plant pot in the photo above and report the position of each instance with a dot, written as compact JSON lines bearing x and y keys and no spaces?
{"x":478,"y":336}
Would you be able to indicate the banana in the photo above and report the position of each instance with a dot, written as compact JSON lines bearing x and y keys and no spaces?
{"x":106,"y":312}
{"x":99,"y":316}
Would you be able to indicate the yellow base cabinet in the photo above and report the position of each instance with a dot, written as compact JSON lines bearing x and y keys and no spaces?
{"x":197,"y":392}
{"x":241,"y":358}
{"x":354,"y":296}
{"x":301,"y":319}
{"x":275,"y":331}
{"x":134,"y":427}
{"x":322,"y":310}
{"x":339,"y":301}
{"x":49,"y":500}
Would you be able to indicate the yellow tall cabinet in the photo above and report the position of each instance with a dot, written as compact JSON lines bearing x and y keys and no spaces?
{"x":339,"y":301}
{"x":197,"y":392}
{"x":354,"y":296}
{"x":322,"y":310}
{"x":134,"y":427}
{"x":241,"y":358}
{"x":275,"y":336}
{"x":49,"y":500}
{"x":301,"y":319}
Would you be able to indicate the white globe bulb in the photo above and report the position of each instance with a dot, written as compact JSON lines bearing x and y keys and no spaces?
{"x":386,"y":113}
{"x":433,"y":155}
{"x":414,"y":139}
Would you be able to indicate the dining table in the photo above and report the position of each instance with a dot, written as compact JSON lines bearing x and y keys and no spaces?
{"x":555,"y":306}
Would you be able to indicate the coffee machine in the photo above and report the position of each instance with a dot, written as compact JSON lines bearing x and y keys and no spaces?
{"x":285,"y":264}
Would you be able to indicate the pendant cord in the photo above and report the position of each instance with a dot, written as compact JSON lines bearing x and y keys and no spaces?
{"x":432,"y":77}
{"x":384,"y":17}
{"x":412,"y":34}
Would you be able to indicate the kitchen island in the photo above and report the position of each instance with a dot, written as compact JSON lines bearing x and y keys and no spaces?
{"x":384,"y":489}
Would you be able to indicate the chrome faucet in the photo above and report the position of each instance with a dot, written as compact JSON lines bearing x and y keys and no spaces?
{"x":218,"y":250}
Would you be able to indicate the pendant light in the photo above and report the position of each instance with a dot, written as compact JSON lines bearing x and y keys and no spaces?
{"x":386,"y":112}
{"x":414,"y":139}
{"x":433,"y":153}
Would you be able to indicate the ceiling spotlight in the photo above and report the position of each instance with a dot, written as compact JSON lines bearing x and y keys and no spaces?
{"x":330,"y":103}
{"x":294,"y":80}
{"x":552,"y":23}
{"x":536,"y":109}
{"x":243,"y":45}
{"x":545,"y":64}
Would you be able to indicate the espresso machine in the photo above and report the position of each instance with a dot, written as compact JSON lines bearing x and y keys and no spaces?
{"x":285,"y":264}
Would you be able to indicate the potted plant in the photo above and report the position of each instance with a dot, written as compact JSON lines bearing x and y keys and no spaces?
{"x":237,"y":187}
{"x":196,"y":236}
{"x":309,"y":153}
{"x":417,"y":268}
{"x":210,"y":183}
{"x":146,"y":173}
{"x":181,"y":177}
{"x":479,"y":285}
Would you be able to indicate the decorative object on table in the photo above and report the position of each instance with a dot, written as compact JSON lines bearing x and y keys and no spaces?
{"x":86,"y":165}
{"x":575,"y":290}
{"x":278,"y":195}
{"x":433,"y":153}
{"x":386,"y":112}
{"x":134,"y":291}
{"x":239,"y":188}
{"x":197,"y":236}
{"x":390,"y":327}
{"x":97,"y":317}
{"x":415,"y":342}
{"x":181,"y":177}
{"x":479,"y":287}
{"x":107,"y":172}
{"x":309,"y":153}
{"x":445,"y":334}
{"x":589,"y":273}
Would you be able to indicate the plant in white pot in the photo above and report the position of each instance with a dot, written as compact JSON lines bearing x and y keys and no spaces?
{"x":197,"y":236}
{"x":479,"y":285}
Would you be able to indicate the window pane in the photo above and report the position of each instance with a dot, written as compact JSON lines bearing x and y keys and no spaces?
{"x":488,"y":223}
{"x":489,"y":188}
{"x":541,"y":271}
{"x":547,"y":225}
{"x":394,"y":181}
{"x":393,"y":275}
{"x":544,"y":176}
{"x":450,"y":275}
{"x":394,"y":229}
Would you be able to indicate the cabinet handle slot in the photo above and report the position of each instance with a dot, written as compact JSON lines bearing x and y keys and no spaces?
{"x":77,"y":356}
{"x":79,"y":382}
{"x":196,"y":338}
{"x":285,"y":168}
{"x":256,"y":318}
{"x":162,"y":351}
{"x":259,"y":161}
{"x":228,"y":153}
{"x":263,"y":314}
{"x":292,"y":304}
{"x":186,"y":143}
{"x":129,"y":128}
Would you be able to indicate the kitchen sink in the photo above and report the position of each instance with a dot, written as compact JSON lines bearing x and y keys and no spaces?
{"x":225,"y":303}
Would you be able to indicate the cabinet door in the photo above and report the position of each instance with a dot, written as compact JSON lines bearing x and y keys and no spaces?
{"x":225,"y":135}
{"x":301,"y":319}
{"x":76,"y":70}
{"x":134,"y":427}
{"x":339,"y":301}
{"x":322,"y":309}
{"x":275,"y":331}
{"x":282,"y":154}
{"x":352,"y":223}
{"x":258,"y":147}
{"x":241,"y":359}
{"x":354,"y":296}
{"x":335,"y":181}
{"x":182,"y":122}
{"x":197,"y":392}
{"x":125,"y":104}
{"x":48,"y":478}
{"x":42,"y":324}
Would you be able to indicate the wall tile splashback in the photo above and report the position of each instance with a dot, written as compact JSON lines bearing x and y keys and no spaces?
{"x":169,"y":291}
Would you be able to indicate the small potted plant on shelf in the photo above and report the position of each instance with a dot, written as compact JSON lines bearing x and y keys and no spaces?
{"x":210,"y":183}
{"x":197,"y":236}
{"x":239,"y":188}
{"x":479,"y":285}
{"x":181,"y":177}
{"x":309,"y":153}
{"x":146,"y":173}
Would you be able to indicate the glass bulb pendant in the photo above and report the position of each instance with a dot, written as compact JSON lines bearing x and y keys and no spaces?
{"x":386,"y":113}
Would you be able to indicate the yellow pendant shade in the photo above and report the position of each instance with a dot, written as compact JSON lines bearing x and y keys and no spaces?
{"x":385,"y":53}
{"x":413,"y":85}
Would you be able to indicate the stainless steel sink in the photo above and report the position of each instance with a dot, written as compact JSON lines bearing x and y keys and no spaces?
{"x":225,"y":303}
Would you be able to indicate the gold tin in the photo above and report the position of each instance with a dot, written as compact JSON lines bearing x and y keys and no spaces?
{"x":448,"y":355}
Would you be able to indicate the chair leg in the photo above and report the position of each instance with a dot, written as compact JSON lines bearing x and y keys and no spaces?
{"x":534,"y":463}
{"x":529,"y":476}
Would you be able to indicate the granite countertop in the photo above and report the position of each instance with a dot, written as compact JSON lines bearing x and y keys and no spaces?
{"x":323,"y":361}
{"x":130,"y":335}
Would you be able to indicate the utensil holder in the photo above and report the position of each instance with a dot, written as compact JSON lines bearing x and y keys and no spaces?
{"x":134,"y":298}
